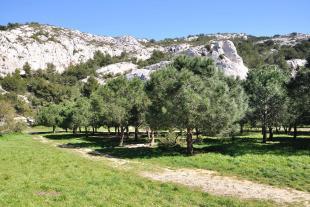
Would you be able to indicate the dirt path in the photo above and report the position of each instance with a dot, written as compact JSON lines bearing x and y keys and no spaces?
{"x":208,"y":181}
{"x":211,"y":182}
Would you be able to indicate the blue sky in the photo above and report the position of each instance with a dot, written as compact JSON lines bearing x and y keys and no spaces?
{"x":163,"y":18}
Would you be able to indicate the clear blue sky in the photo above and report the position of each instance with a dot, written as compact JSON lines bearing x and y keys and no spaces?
{"x":163,"y":18}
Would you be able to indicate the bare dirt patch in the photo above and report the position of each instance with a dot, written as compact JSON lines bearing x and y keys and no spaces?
{"x":211,"y":182}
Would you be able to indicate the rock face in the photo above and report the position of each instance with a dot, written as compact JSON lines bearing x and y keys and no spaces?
{"x":295,"y":64}
{"x":144,"y":73}
{"x":225,"y":55}
{"x":289,"y":39}
{"x":223,"y":52}
{"x":42,"y":44}
{"x":117,"y":68}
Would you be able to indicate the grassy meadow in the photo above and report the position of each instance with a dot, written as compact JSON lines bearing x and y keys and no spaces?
{"x":37,"y":174}
{"x":283,"y":162}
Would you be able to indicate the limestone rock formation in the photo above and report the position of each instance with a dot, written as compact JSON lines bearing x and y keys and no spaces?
{"x":117,"y":68}
{"x":42,"y":44}
{"x":144,"y":73}
{"x":224,"y":54}
{"x":295,"y":64}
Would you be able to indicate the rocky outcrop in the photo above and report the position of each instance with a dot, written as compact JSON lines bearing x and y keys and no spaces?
{"x":117,"y":68}
{"x":144,"y":73}
{"x":42,"y":44}
{"x":289,"y":39}
{"x":295,"y":64}
{"x":224,"y":54}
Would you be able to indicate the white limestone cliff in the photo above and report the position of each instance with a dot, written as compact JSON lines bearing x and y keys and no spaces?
{"x":42,"y":44}
{"x":223,"y":52}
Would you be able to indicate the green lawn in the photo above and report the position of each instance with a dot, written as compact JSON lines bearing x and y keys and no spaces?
{"x":37,"y":174}
{"x":284,"y":162}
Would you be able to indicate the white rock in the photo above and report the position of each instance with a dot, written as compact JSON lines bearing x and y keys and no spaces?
{"x":2,"y":91}
{"x":288,"y":39}
{"x":225,"y":56}
{"x":295,"y":64}
{"x":45,"y":44}
{"x":178,"y":48}
{"x":157,"y":66}
{"x":99,"y":80}
{"x":23,"y":98}
{"x":117,"y":68}
{"x":144,"y":73}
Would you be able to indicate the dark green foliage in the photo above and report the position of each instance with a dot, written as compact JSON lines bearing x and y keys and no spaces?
{"x":49,"y":116}
{"x":90,"y":86}
{"x":9,"y":26}
{"x":299,"y":93}
{"x":255,"y":55}
{"x":192,"y":93}
{"x":27,"y":69}
{"x":199,"y":66}
{"x":50,"y":91}
{"x":14,"y":83}
{"x":265,"y":87}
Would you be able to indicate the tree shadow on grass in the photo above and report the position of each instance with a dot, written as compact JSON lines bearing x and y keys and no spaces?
{"x":284,"y":146}
{"x":108,"y":145}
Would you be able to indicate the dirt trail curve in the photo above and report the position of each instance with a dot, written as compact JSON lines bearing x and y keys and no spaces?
{"x":209,"y":181}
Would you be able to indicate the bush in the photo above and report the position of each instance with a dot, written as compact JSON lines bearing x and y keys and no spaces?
{"x":19,"y":126}
{"x":14,"y":83}
{"x":170,"y":140}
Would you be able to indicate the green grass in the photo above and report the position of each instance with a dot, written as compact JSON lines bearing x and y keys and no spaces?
{"x":283,"y":162}
{"x":35,"y":174}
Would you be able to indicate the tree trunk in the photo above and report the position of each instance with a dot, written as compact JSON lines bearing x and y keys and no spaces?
{"x":295,"y":131}
{"x":66,"y":129}
{"x":127,"y":132}
{"x":118,"y":132}
{"x":264,"y":132}
{"x":285,"y":129}
{"x":54,"y":129}
{"x":80,"y":130}
{"x":241,"y":128}
{"x":189,"y":141}
{"x":86,"y":131}
{"x":121,"y":142}
{"x":136,"y":133}
{"x":270,"y":133}
{"x":148,"y":133}
{"x":93,"y":130}
{"x":277,"y":130}
{"x":289,"y":129}
{"x":109,"y":131}
{"x":152,"y":138}
{"x":197,"y":133}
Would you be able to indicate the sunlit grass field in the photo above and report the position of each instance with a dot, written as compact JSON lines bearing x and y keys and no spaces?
{"x":283,"y":162}
{"x":36,"y":174}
